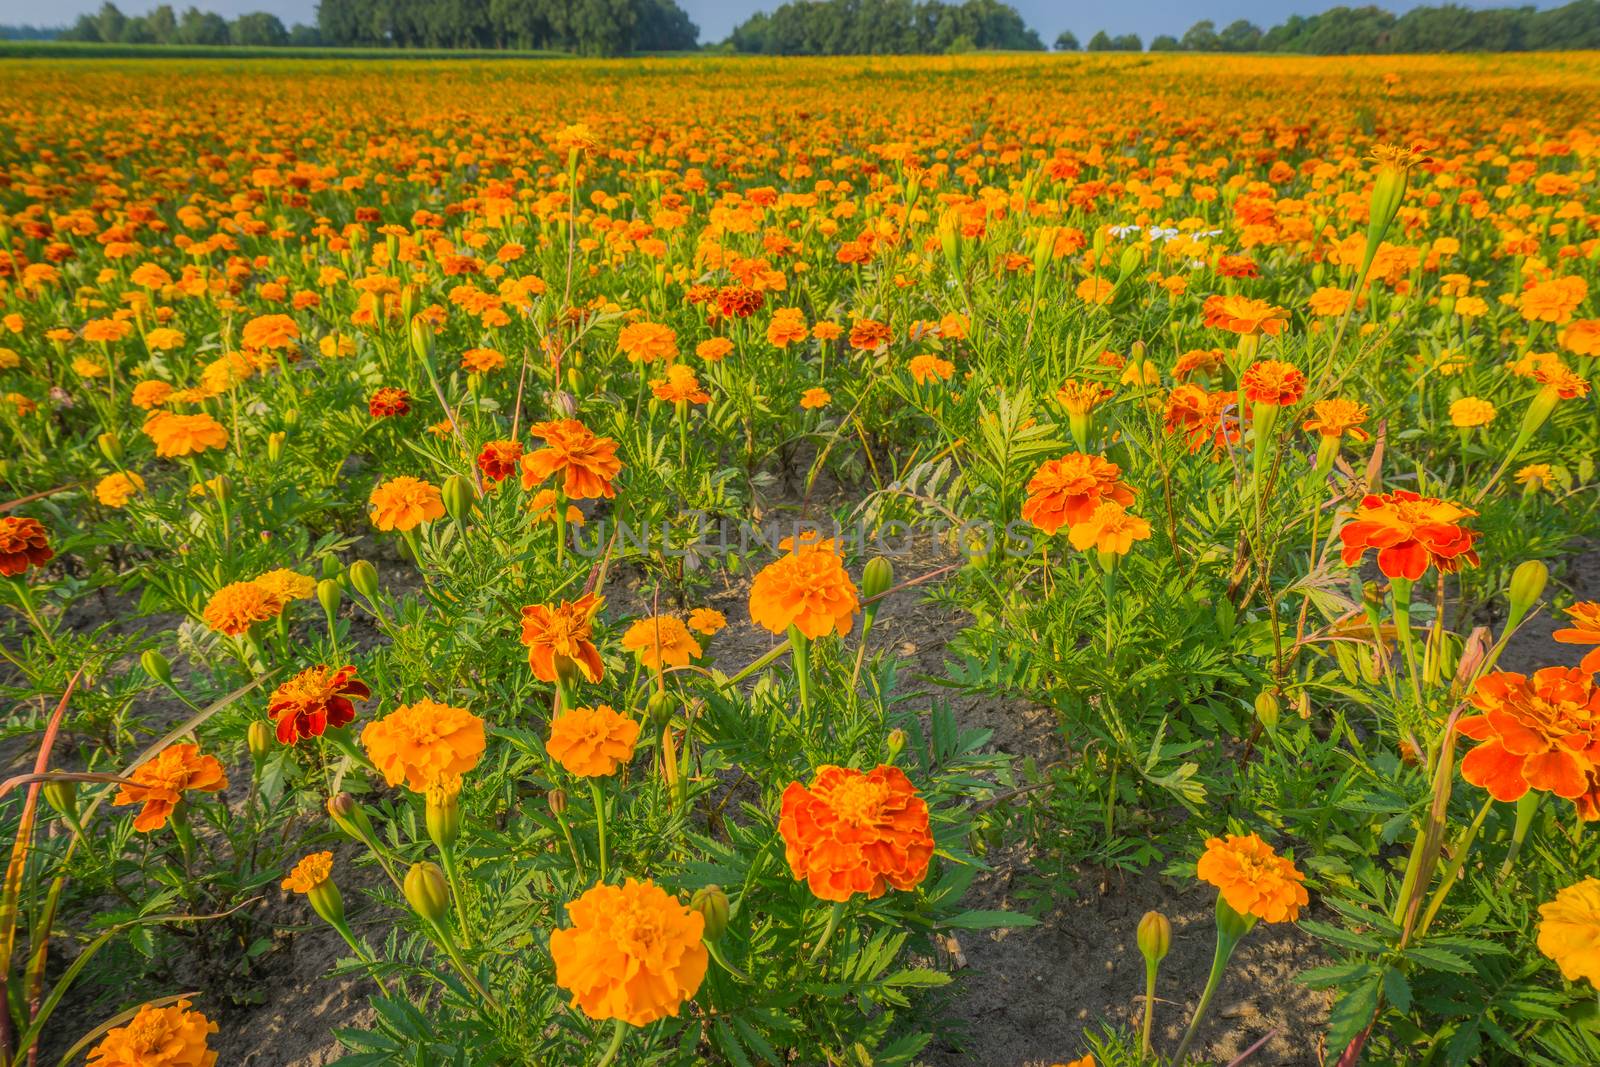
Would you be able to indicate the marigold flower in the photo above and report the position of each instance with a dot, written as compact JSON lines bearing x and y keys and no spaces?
{"x":115,"y":490}
{"x":184,"y":435}
{"x":1110,"y":530}
{"x":1327,"y":302}
{"x":587,"y":464}
{"x":714,"y":349}
{"x":313,"y":700}
{"x":807,"y":588}
{"x":661,"y":640}
{"x":236,"y":607}
{"x":287,"y":585}
{"x":542,"y":507}
{"x":814,"y":398}
{"x":150,"y":394}
{"x":1204,"y":418}
{"x":648,"y":342}
{"x":1067,"y":490}
{"x":1410,"y":532}
{"x":1585,"y":630}
{"x":1469,"y":412}
{"x":865,"y":334}
{"x":1272,"y":381}
{"x":707,"y":621}
{"x":404,"y":503}
{"x":1080,"y":398}
{"x":592,"y":742}
{"x":172,"y":1036}
{"x":680,"y":386}
{"x":312,"y":870}
{"x":420,"y":744}
{"x":1253,"y":879}
{"x":1569,"y":931}
{"x":1242,"y":315}
{"x":482,"y":360}
{"x":389,"y":402}
{"x":1336,"y":417}
{"x":1539,"y":733}
{"x":24,"y":543}
{"x":853,"y":832}
{"x":633,"y":952}
{"x":926,"y":368}
{"x":499,"y":459}
{"x":268,"y":332}
{"x":107,"y":330}
{"x":1554,"y":300}
{"x":561,"y":637}
{"x":1582,"y":337}
{"x":160,"y":782}
{"x":1560,"y":379}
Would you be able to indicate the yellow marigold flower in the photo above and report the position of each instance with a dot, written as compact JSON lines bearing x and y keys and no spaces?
{"x":236,"y":607}
{"x":173,"y":1036}
{"x":309,"y":873}
{"x":163,"y":339}
{"x":1336,"y":417}
{"x":1253,"y":879}
{"x":661,"y":640}
{"x":707,"y":621}
{"x":287,"y":585}
{"x":633,"y":952}
{"x":404,"y":503}
{"x":1469,"y":411}
{"x":1110,"y":530}
{"x":84,"y":367}
{"x":420,"y":744}
{"x":115,"y":490}
{"x":1569,"y":931}
{"x":592,"y":742}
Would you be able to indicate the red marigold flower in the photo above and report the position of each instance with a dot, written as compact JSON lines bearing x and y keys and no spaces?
{"x":853,"y":832}
{"x":1067,"y":490}
{"x":1538,"y":733}
{"x":388,"y":402}
{"x":315,"y":699}
{"x":1410,"y":532}
{"x":499,"y":459}
{"x":1272,"y":381}
{"x":24,"y":543}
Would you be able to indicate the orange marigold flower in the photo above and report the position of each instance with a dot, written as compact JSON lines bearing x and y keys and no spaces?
{"x":1468,"y":411}
{"x":499,"y":459}
{"x":661,"y":640}
{"x":1328,"y":302}
{"x":1095,"y":290}
{"x":24,"y":543}
{"x":1538,"y":733}
{"x":1554,"y":300}
{"x":310,"y":872}
{"x":865,"y":334}
{"x":633,"y":952}
{"x":184,"y":435}
{"x":592,"y":742}
{"x":1569,"y":931}
{"x":1337,"y":417}
{"x":707,"y":621}
{"x":424,"y":743}
{"x":1585,"y":630}
{"x":315,"y":699}
{"x":1204,"y":418}
{"x":815,"y":398}
{"x":150,"y":394}
{"x":388,"y":402}
{"x":1272,"y":381}
{"x":160,"y":782}
{"x":1067,"y":490}
{"x":1080,"y":398}
{"x":926,"y":368}
{"x":542,"y":506}
{"x":171,"y":1036}
{"x":1582,"y":338}
{"x":482,"y":360}
{"x":1410,"y":532}
{"x":404,"y":503}
{"x":1197,"y":361}
{"x":1559,"y":379}
{"x":587,"y":463}
{"x":680,"y":386}
{"x":853,"y":832}
{"x":107,"y":330}
{"x":787,"y":327}
{"x":807,"y":588}
{"x":827,"y":331}
{"x":1242,"y":315}
{"x":1253,"y":879}
{"x":236,"y":607}
{"x":115,"y":490}
{"x":648,"y":342}
{"x":267,"y":332}
{"x":561,"y":638}
{"x":1110,"y":530}
{"x":287,"y":585}
{"x":715,"y":349}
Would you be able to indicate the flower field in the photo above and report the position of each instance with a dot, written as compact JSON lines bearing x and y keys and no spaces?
{"x":998,"y":560}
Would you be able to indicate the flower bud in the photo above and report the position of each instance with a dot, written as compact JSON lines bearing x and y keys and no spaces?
{"x":1154,"y":937}
{"x":330,"y":566}
{"x":63,"y":797}
{"x":427,"y":891}
{"x":329,"y":594}
{"x":275,"y":446}
{"x":557,"y":799}
{"x":421,"y":339}
{"x":565,"y":403}
{"x":712,"y":904}
{"x":443,"y":815}
{"x":327,"y":902}
{"x":260,"y":737}
{"x":1527,"y":584}
{"x":291,"y":417}
{"x":877,"y":577}
{"x":896,"y":743}
{"x":410,"y":296}
{"x":364,"y":576}
{"x":459,"y":497}
{"x":660,"y":707}
{"x":349,"y":816}
{"x":111,"y":448}
{"x":156,"y":666}
{"x":1267,"y":709}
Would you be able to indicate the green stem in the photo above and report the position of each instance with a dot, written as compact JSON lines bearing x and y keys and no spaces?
{"x":618,"y":1032}
{"x":600,"y":821}
{"x":1219,"y":964}
{"x":1151,"y":966}
{"x":1457,"y":860}
{"x":827,"y":932}
{"x":1401,"y":589}
{"x":1527,"y":808}
{"x":716,"y":954}
{"x":452,"y":873}
{"x":361,"y":953}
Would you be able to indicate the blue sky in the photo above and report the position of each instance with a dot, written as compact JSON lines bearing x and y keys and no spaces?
{"x":716,"y":17}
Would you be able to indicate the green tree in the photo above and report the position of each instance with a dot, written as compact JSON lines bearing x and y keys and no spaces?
{"x":1164,"y":42}
{"x":202,"y":27}
{"x":1067,"y":41}
{"x":258,"y":29}
{"x":1201,"y":37}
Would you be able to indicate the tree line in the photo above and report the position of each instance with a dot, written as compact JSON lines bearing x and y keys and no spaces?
{"x":881,"y":27}
{"x":1368,"y":30}
{"x":586,"y":27}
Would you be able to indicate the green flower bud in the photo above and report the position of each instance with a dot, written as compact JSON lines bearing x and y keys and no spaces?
{"x":329,"y":594}
{"x":896,"y":743}
{"x":275,"y":446}
{"x":459,"y":496}
{"x":327,"y":902}
{"x":1267,"y":709}
{"x":421,"y":338}
{"x":111,"y":448}
{"x":1527,"y":584}
{"x":330,"y":566}
{"x":877,"y":577}
{"x":156,"y":666}
{"x":712,"y":904}
{"x":660,"y":707}
{"x":364,"y":576}
{"x":427,"y":891}
{"x":443,"y":815}
{"x":1154,"y":937}
{"x":557,"y":799}
{"x":63,"y":797}
{"x":260,"y":738}
{"x":350,"y":817}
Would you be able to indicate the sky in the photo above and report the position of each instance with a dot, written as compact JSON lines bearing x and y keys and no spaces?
{"x":716,"y":17}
